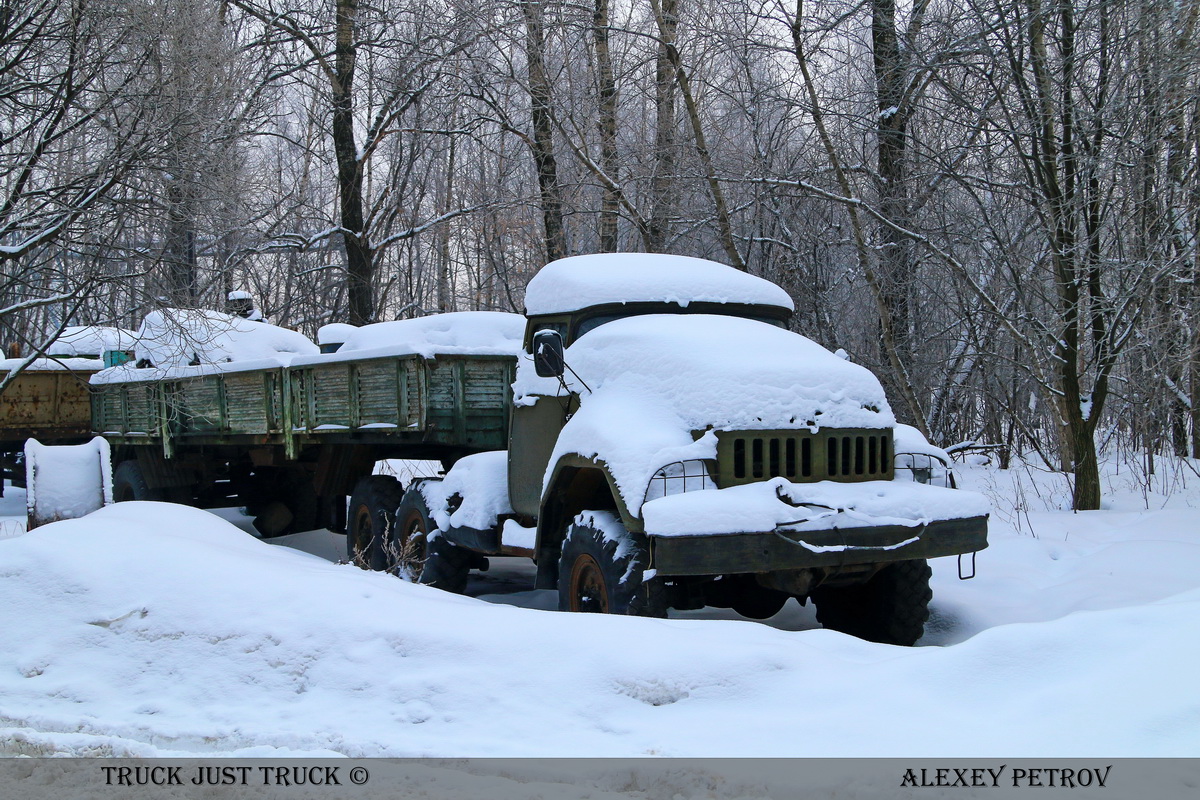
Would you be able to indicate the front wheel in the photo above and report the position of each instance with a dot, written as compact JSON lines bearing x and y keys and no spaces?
{"x":890,"y":608}
{"x":602,"y":569}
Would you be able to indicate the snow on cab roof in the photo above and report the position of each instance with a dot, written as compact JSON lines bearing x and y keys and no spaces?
{"x":571,"y":284}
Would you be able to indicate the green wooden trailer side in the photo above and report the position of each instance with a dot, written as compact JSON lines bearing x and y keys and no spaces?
{"x":299,"y":438}
{"x":461,"y":402}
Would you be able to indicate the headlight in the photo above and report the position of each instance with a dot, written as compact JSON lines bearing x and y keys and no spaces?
{"x":679,"y":477}
{"x":923,"y":468}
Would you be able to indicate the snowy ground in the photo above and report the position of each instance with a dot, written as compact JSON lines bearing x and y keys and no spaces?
{"x":156,"y":630}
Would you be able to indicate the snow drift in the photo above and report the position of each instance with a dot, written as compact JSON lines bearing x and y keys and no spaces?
{"x":156,"y":630}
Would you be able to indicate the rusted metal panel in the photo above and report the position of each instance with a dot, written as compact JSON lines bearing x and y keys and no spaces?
{"x":46,"y":405}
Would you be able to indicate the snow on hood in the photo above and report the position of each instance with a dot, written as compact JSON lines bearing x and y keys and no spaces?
{"x":722,"y":372}
{"x":654,"y":379}
{"x":570,"y":284}
{"x":457,"y":332}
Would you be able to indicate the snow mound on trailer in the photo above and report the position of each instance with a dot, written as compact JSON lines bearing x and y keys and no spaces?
{"x":50,"y":365}
{"x":457,"y":332}
{"x":90,"y":340}
{"x":175,"y":338}
{"x":570,"y":284}
{"x":334,"y":333}
{"x":77,"y":349}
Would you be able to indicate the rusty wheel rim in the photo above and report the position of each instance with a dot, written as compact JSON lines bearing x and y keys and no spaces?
{"x":412,"y":546}
{"x":588,"y":592}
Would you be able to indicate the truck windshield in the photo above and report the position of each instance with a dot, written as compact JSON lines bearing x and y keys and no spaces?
{"x":758,"y":314}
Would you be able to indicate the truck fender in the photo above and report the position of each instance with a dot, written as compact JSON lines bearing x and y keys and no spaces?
{"x":577,"y":483}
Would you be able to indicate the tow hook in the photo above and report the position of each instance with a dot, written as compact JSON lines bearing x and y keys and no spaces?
{"x":961,"y":576}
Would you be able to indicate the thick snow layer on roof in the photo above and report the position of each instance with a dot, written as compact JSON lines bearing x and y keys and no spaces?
{"x":454,"y":333}
{"x":90,"y":340}
{"x":654,"y":379}
{"x":570,"y":284}
{"x":762,"y":507}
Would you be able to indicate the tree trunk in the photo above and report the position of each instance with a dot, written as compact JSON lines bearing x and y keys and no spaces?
{"x":662,"y":207}
{"x":724,"y":224}
{"x":607,"y":90}
{"x":894,"y":105}
{"x":180,"y":255}
{"x":360,"y":259}
{"x":543,"y":132}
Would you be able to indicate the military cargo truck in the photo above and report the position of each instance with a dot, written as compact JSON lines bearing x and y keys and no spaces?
{"x":650,"y":434}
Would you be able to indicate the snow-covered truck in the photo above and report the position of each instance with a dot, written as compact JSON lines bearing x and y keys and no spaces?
{"x":649,"y":433}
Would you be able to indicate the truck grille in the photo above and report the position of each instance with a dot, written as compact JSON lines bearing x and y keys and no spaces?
{"x":800,"y":456}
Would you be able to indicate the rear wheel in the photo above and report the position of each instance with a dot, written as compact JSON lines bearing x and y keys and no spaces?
{"x":371,"y":519}
{"x":602,"y":569}
{"x":129,"y":483}
{"x":406,"y":548}
{"x":890,"y":608}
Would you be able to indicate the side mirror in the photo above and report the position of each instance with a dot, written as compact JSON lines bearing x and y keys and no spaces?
{"x":548,"y":354}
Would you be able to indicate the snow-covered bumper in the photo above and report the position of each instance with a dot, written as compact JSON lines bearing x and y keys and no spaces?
{"x":778,"y":525}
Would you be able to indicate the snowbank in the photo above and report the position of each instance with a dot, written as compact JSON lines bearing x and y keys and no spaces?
{"x":127,"y":633}
{"x":570,"y":284}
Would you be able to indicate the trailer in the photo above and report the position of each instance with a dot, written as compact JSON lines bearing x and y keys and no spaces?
{"x":650,"y":433}
{"x":49,"y":397}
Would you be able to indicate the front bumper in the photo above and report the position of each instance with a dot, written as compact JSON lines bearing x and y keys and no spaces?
{"x":783,"y":549}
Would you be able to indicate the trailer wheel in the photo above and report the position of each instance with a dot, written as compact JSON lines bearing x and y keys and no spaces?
{"x":447,"y":565}
{"x":601,"y":569}
{"x":406,"y":546}
{"x":370,"y":519}
{"x":890,"y":608}
{"x":129,"y":483}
